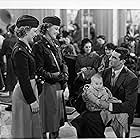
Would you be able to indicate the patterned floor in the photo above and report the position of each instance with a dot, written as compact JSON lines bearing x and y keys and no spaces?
{"x":5,"y":122}
{"x":5,"y":125}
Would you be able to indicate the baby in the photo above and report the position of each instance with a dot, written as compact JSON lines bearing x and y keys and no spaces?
{"x":95,"y":91}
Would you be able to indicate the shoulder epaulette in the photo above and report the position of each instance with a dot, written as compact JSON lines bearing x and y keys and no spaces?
{"x":17,"y":48}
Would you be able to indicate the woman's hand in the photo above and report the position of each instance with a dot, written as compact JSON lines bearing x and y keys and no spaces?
{"x":83,"y":69}
{"x":104,"y":98}
{"x":104,"y":104}
{"x":34,"y":107}
{"x":56,"y":73}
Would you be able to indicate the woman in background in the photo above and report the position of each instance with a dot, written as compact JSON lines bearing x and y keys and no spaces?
{"x":87,"y":63}
{"x":109,"y":48}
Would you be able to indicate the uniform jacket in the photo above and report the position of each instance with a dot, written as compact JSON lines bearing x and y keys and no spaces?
{"x":44,"y":50}
{"x":125,"y":89}
{"x":24,"y":66}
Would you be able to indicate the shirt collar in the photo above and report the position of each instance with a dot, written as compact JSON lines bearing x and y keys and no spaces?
{"x":118,"y":71}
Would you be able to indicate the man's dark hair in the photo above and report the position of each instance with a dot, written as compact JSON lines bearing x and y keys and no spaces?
{"x":123,"y":51}
{"x":110,"y":46}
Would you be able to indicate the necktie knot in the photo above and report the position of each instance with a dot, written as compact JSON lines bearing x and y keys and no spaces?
{"x":113,"y":78}
{"x":113,"y":74}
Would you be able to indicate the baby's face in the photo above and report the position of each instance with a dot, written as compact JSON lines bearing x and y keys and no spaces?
{"x":97,"y":83}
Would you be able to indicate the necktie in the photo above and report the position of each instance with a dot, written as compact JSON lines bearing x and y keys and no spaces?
{"x":113,"y":78}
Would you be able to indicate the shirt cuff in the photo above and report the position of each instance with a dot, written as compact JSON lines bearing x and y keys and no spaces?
{"x":110,"y":107}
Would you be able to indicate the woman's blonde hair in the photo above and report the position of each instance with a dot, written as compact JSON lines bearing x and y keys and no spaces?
{"x":43,"y":28}
{"x":22,"y":31}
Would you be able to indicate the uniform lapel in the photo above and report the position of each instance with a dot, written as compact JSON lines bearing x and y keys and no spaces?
{"x":25,"y":47}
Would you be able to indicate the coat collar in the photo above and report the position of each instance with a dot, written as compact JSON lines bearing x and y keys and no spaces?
{"x":50,"y":43}
{"x":120,"y":79}
{"x":23,"y":45}
{"x":50,"y":40}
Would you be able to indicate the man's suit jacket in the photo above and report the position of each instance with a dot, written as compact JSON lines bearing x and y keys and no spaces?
{"x":125,"y":89}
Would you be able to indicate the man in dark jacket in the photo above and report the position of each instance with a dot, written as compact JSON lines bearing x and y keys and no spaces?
{"x":124,"y":87}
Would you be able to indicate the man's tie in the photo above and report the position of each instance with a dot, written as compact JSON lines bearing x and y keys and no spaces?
{"x":113,"y":79}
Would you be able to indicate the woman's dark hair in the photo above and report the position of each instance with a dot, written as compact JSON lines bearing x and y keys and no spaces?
{"x":43,"y":28}
{"x":22,"y":31}
{"x":124,"y":45}
{"x":110,"y":46}
{"x":83,"y":42}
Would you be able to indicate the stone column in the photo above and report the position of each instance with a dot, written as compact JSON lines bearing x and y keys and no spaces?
{"x":115,"y":26}
{"x":121,"y":24}
{"x":103,"y":18}
{"x":63,"y":16}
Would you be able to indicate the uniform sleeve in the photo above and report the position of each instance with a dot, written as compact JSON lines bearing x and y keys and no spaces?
{"x":22,"y":71}
{"x":39,"y":58}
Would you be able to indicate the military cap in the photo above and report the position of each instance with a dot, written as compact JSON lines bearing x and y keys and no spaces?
{"x":53,"y":20}
{"x":27,"y":20}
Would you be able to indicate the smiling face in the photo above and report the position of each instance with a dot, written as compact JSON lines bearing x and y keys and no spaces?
{"x":53,"y":31}
{"x":115,"y":61}
{"x":108,"y":52}
{"x":31,"y":34}
{"x":87,"y":48}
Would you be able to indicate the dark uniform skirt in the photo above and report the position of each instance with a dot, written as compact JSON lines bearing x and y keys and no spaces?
{"x":51,"y":107}
{"x":25,"y":124}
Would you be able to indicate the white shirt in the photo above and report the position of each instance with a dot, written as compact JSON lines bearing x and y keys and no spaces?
{"x":1,"y":41}
{"x":117,"y":72}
